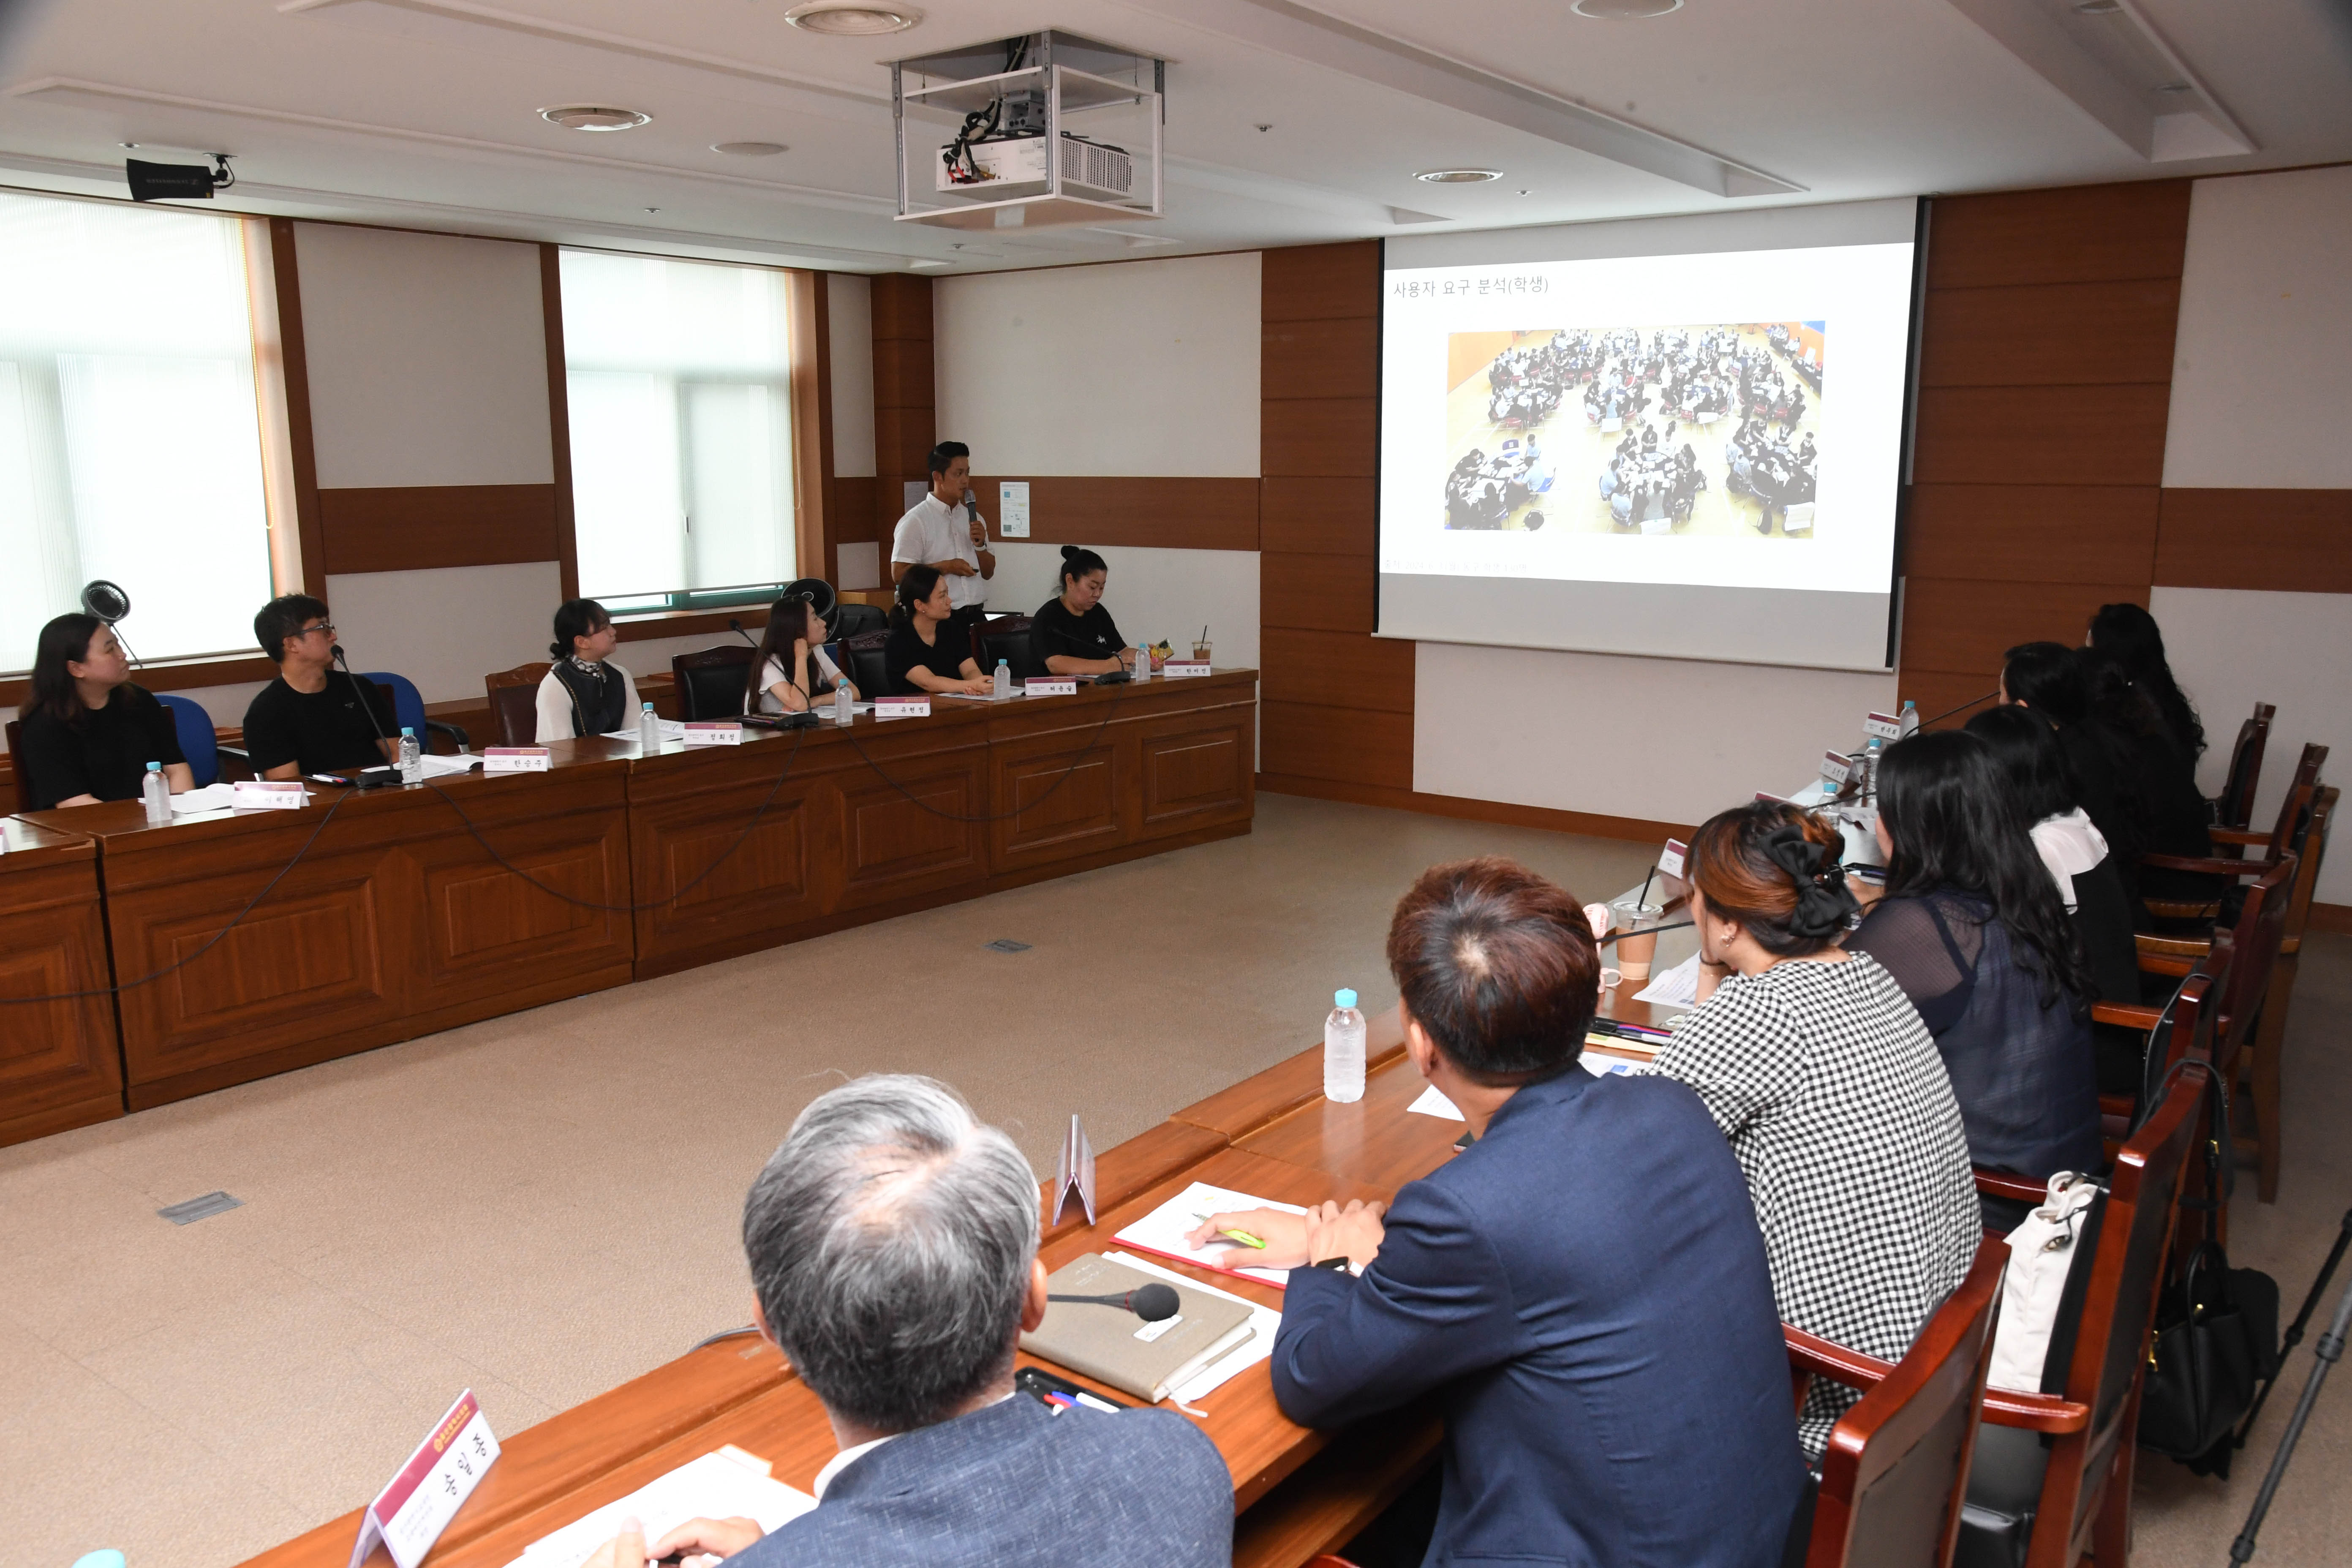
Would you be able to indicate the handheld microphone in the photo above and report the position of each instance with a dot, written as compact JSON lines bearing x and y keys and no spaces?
{"x":1151,"y":1302}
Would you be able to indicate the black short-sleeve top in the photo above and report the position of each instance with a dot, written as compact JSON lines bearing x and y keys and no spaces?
{"x":102,"y":752}
{"x":1053,"y":630}
{"x":944,"y":658}
{"x":322,"y":731}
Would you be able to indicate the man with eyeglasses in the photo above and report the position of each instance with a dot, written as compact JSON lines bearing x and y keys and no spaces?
{"x":310,"y":719}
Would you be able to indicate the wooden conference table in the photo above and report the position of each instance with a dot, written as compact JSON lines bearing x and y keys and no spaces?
{"x":59,"y":1065}
{"x":1298,"y":1491}
{"x":399,"y":920}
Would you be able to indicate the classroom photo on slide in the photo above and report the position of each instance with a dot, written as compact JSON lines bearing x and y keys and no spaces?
{"x":1706,"y":430}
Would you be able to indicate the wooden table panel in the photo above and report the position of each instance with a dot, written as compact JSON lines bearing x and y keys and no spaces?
{"x":60,"y":1062}
{"x":915,"y":831}
{"x":1054,"y":798}
{"x":1197,"y":769}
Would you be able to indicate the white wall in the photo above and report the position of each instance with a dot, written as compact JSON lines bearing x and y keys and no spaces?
{"x":1145,"y":368}
{"x":427,"y":358}
{"x":849,"y":326}
{"x":2262,"y":362}
{"x":1658,"y":739}
{"x":447,"y":627}
{"x":2230,"y":648}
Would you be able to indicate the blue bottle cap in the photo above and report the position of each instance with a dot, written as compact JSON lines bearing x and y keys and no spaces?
{"x":155,"y":768}
{"x":108,"y":1558}
{"x":1344,"y":997}
{"x":407,"y":733}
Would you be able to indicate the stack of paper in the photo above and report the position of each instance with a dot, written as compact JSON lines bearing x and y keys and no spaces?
{"x":727,"y":1484}
{"x":1434,"y":1102}
{"x":444,"y":767}
{"x":1677,"y":987}
{"x":1163,"y":1231}
{"x":211,"y":798}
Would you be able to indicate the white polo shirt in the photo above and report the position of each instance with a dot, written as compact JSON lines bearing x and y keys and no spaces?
{"x":934,"y":531}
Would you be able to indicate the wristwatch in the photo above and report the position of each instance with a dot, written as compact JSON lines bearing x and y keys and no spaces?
{"x":1339,"y":1266}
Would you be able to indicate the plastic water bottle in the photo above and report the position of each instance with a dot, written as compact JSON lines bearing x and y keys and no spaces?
{"x":1003,"y":680}
{"x":1343,"y":1050}
{"x":648,"y":732}
{"x":1142,"y":662}
{"x":1910,"y":719}
{"x":412,"y":765}
{"x":157,"y":792}
{"x":1870,"y":755}
{"x":842,"y":711}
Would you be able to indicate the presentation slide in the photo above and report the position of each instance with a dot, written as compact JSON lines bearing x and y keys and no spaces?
{"x":1676,"y":437}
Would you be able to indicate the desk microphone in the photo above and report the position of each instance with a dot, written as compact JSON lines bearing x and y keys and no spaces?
{"x":375,"y":777}
{"x":1151,"y":1302}
{"x":736,"y":627}
{"x":1962,"y":709}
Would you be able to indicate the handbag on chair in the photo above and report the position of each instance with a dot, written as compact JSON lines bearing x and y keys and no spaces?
{"x":2042,"y":1253}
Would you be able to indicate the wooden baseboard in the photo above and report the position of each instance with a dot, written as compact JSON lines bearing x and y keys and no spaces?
{"x":2329,"y":917}
{"x":1588,"y":824}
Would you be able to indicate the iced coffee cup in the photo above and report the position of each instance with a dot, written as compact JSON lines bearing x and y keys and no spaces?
{"x":1638,"y":947}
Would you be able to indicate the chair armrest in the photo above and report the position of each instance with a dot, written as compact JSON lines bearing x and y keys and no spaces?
{"x":2034,"y":1412}
{"x":1818,"y":1357}
{"x":2130,"y":1014}
{"x":455,"y":733}
{"x":2236,"y":836}
{"x":2008,"y":1185}
{"x":2121,"y":1105}
{"x":2209,"y":865}
{"x":234,"y":762}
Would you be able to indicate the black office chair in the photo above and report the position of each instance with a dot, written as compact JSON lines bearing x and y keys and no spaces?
{"x":1010,"y":638}
{"x":712,"y":681}
{"x":856,"y":620}
{"x":863,"y":654}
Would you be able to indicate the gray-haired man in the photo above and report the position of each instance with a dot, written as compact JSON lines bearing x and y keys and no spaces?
{"x":893,"y":1246}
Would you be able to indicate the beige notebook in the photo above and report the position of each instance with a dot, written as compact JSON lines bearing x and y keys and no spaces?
{"x":1112,"y":1346}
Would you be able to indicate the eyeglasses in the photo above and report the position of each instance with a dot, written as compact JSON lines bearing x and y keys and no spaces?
{"x":326,"y":626}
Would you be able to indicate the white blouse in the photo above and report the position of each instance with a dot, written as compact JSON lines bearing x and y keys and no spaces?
{"x":773,"y":674}
{"x":2070,"y":846}
{"x":554,"y":705}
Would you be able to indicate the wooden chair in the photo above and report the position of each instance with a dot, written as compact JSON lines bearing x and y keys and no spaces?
{"x":14,"y":732}
{"x":2270,"y":1036}
{"x":2046,"y":1505}
{"x":712,"y":681}
{"x":1896,"y":1473}
{"x":514,"y":703}
{"x":2235,"y":804}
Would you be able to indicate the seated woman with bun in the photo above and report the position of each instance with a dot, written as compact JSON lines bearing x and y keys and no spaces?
{"x":1072,"y":634}
{"x":90,"y":730}
{"x":584,"y":692}
{"x":791,"y":670}
{"x":1818,"y":1070}
{"x":929,"y":650}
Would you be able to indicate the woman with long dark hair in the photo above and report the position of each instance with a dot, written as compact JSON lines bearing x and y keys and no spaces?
{"x":2130,"y":635}
{"x":89,"y":731}
{"x":584,"y":692}
{"x":1819,"y":1073}
{"x":791,"y":669}
{"x":2168,"y":813}
{"x":1974,"y":932}
{"x":929,"y":650}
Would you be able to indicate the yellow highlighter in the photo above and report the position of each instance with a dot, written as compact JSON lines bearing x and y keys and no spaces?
{"x":1244,"y":1238}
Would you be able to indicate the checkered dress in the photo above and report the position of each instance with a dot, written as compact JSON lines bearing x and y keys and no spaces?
{"x":1833,"y":1098}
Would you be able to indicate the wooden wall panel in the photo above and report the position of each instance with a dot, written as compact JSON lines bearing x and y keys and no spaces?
{"x":1174,"y":513}
{"x":2285,"y":540}
{"x":1306,"y":359}
{"x":2046,"y":373}
{"x":2072,"y":235}
{"x":1316,"y":592}
{"x":2051,"y":334}
{"x":1336,"y":670}
{"x":1319,"y":438}
{"x":1345,"y":745}
{"x":402,"y":528}
{"x":1318,"y":282}
{"x":1321,"y":516}
{"x":905,"y":420}
{"x":2030,"y":533}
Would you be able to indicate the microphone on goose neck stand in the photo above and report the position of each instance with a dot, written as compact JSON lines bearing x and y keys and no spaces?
{"x":376,"y":777}
{"x":1151,"y":1302}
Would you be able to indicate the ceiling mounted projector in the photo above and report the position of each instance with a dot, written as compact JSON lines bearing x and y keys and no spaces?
{"x":594,"y":117}
{"x":852,"y":18}
{"x":177,"y":182}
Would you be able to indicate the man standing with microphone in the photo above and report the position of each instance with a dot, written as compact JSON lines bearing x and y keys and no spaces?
{"x":945,"y":532}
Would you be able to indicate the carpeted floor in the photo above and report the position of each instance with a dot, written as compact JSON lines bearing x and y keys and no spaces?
{"x":544,"y":1205}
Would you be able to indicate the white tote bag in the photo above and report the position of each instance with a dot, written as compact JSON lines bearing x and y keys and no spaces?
{"x":2040,"y":1251}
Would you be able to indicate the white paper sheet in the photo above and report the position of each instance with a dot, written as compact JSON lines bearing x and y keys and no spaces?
{"x":1677,"y":987}
{"x":1258,"y":1347}
{"x":1163,"y":1231}
{"x":1606,"y":1066}
{"x":671,"y":730}
{"x":444,"y":768}
{"x":211,"y":798}
{"x":713,"y":1487}
{"x":1433,"y":1102}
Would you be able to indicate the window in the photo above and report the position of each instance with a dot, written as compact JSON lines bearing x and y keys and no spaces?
{"x":679,"y":380}
{"x":130,"y":439}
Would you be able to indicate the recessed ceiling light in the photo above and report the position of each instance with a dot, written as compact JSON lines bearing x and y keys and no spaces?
{"x":653,"y":209}
{"x":2175,"y":86}
{"x":133,"y":145}
{"x":748,"y":148}
{"x":1458,"y":177}
{"x":2098,"y":8}
{"x":852,"y":18}
{"x":1624,"y":10}
{"x":926,"y":261}
{"x":594,"y":117}
{"x":1525,"y":192}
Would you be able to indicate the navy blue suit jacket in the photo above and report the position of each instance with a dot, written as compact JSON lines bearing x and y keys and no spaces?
{"x":1586,"y":1289}
{"x":1016,"y":1484}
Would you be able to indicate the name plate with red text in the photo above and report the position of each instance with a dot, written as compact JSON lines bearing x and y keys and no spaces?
{"x":1051,"y":686}
{"x":1886,"y":726}
{"x":409,"y":1515}
{"x":1836,"y":768}
{"x":902,"y":708}
{"x":269,"y":794}
{"x":515,"y":760}
{"x":1179,"y":668}
{"x":1669,"y":859}
{"x":712,"y":732}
